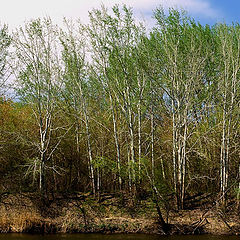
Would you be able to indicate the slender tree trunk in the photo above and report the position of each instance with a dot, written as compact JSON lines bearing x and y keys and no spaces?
{"x":42,"y":184}
{"x":141,"y":86}
{"x":139,"y":136}
{"x":91,"y":169}
{"x":131,"y":135}
{"x":129,"y":170}
{"x":89,"y":146}
{"x":152,"y":145}
{"x":223,"y":163}
{"x":174,"y":149}
{"x":184,"y":159}
{"x":98,"y":182}
{"x":238,"y":193}
{"x":132,"y":155}
{"x":116,"y":143}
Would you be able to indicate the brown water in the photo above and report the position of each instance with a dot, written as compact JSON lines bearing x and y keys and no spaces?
{"x":111,"y":237}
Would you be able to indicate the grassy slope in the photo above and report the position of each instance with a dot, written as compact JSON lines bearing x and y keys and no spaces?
{"x":82,"y":213}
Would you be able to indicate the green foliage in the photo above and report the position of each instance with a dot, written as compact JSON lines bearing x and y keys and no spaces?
{"x":111,"y":102}
{"x":106,"y":164}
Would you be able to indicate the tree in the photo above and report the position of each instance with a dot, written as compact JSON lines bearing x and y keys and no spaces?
{"x":5,"y":41}
{"x":228,"y":42}
{"x":39,"y":73}
{"x":115,"y":40}
{"x":181,"y":41}
{"x":75,"y":81}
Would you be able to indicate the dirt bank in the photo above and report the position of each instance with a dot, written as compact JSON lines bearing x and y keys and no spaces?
{"x":82,"y":213}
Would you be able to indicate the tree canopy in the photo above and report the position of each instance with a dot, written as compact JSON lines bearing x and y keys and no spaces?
{"x":112,"y":107}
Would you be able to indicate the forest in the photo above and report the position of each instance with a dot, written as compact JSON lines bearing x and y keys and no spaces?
{"x":114,"y":107}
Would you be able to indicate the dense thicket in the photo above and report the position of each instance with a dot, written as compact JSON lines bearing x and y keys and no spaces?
{"x":111,"y":107}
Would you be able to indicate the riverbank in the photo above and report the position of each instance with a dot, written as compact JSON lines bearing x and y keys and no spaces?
{"x":81,"y":213}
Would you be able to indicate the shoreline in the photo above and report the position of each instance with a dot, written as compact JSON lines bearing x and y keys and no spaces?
{"x":23,"y":213}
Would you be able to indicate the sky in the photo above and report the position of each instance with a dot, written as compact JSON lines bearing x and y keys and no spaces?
{"x":16,"y":12}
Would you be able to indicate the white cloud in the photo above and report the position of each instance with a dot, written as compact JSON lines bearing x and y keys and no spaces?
{"x":201,"y":7}
{"x":15,"y":12}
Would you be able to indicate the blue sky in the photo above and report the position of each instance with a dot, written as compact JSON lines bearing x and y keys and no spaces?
{"x":15,"y":12}
{"x":226,"y":11}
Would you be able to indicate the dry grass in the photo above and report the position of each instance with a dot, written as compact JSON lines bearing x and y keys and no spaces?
{"x":19,"y":213}
{"x":212,"y":222}
{"x":18,"y":222}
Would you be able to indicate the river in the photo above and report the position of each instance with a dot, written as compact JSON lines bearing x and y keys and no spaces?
{"x":111,"y":237}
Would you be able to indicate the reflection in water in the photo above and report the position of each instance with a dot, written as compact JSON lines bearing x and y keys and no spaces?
{"x":111,"y":237}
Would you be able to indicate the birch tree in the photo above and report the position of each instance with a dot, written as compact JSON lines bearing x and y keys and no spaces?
{"x":76,"y":86}
{"x":181,"y":41}
{"x":114,"y":39}
{"x":38,"y":71}
{"x":228,"y":95}
{"x":98,"y":35}
{"x":5,"y":41}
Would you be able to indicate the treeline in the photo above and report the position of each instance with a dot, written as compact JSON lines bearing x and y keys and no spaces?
{"x":110,"y":106}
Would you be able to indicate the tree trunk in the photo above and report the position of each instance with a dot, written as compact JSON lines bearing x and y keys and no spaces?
{"x":116,"y":143}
